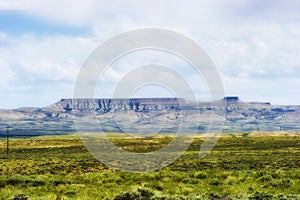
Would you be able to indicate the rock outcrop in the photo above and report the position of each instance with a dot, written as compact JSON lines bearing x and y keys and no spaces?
{"x":150,"y":115}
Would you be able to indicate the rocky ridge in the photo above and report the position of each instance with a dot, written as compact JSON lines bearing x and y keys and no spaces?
{"x":150,"y":115}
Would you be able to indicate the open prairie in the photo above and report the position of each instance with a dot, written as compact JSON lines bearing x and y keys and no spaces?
{"x":241,"y":166}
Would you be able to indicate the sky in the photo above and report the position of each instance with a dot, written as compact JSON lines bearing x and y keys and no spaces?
{"x":254,"y":44}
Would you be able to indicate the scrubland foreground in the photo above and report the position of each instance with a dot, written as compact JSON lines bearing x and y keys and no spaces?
{"x":239,"y":167}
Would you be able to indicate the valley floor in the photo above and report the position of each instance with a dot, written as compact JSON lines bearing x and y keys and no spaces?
{"x":242,"y":166}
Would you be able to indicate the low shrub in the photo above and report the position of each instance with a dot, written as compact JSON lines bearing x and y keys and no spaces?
{"x":261,"y":196}
{"x":266,"y":178}
{"x":215,"y":182}
{"x":283,"y":183}
{"x":200,"y":175}
{"x":138,"y":194}
{"x":190,"y":180}
{"x":20,"y":197}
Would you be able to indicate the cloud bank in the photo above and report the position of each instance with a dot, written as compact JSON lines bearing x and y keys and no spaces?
{"x":254,"y":44}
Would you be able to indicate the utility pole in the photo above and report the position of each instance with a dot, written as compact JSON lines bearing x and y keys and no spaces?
{"x":7,"y":141}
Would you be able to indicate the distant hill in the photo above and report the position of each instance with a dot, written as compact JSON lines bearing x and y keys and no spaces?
{"x":150,"y":115}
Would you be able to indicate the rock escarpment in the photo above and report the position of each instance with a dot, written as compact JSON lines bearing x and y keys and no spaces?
{"x":154,"y":114}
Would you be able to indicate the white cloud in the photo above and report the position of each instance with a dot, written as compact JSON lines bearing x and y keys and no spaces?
{"x":48,"y":58}
{"x":264,"y":49}
{"x":7,"y":75}
{"x":41,"y":68}
{"x":277,"y":91}
{"x":254,"y":44}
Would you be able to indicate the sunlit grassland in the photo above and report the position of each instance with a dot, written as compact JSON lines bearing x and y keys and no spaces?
{"x":59,"y":167}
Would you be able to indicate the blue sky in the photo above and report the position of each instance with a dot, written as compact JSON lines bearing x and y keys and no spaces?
{"x":254,"y":44}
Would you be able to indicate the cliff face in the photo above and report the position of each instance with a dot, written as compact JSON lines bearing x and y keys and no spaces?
{"x":107,"y":105}
{"x":150,"y":115}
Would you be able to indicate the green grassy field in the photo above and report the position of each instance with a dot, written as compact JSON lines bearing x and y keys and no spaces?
{"x":59,"y":167}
